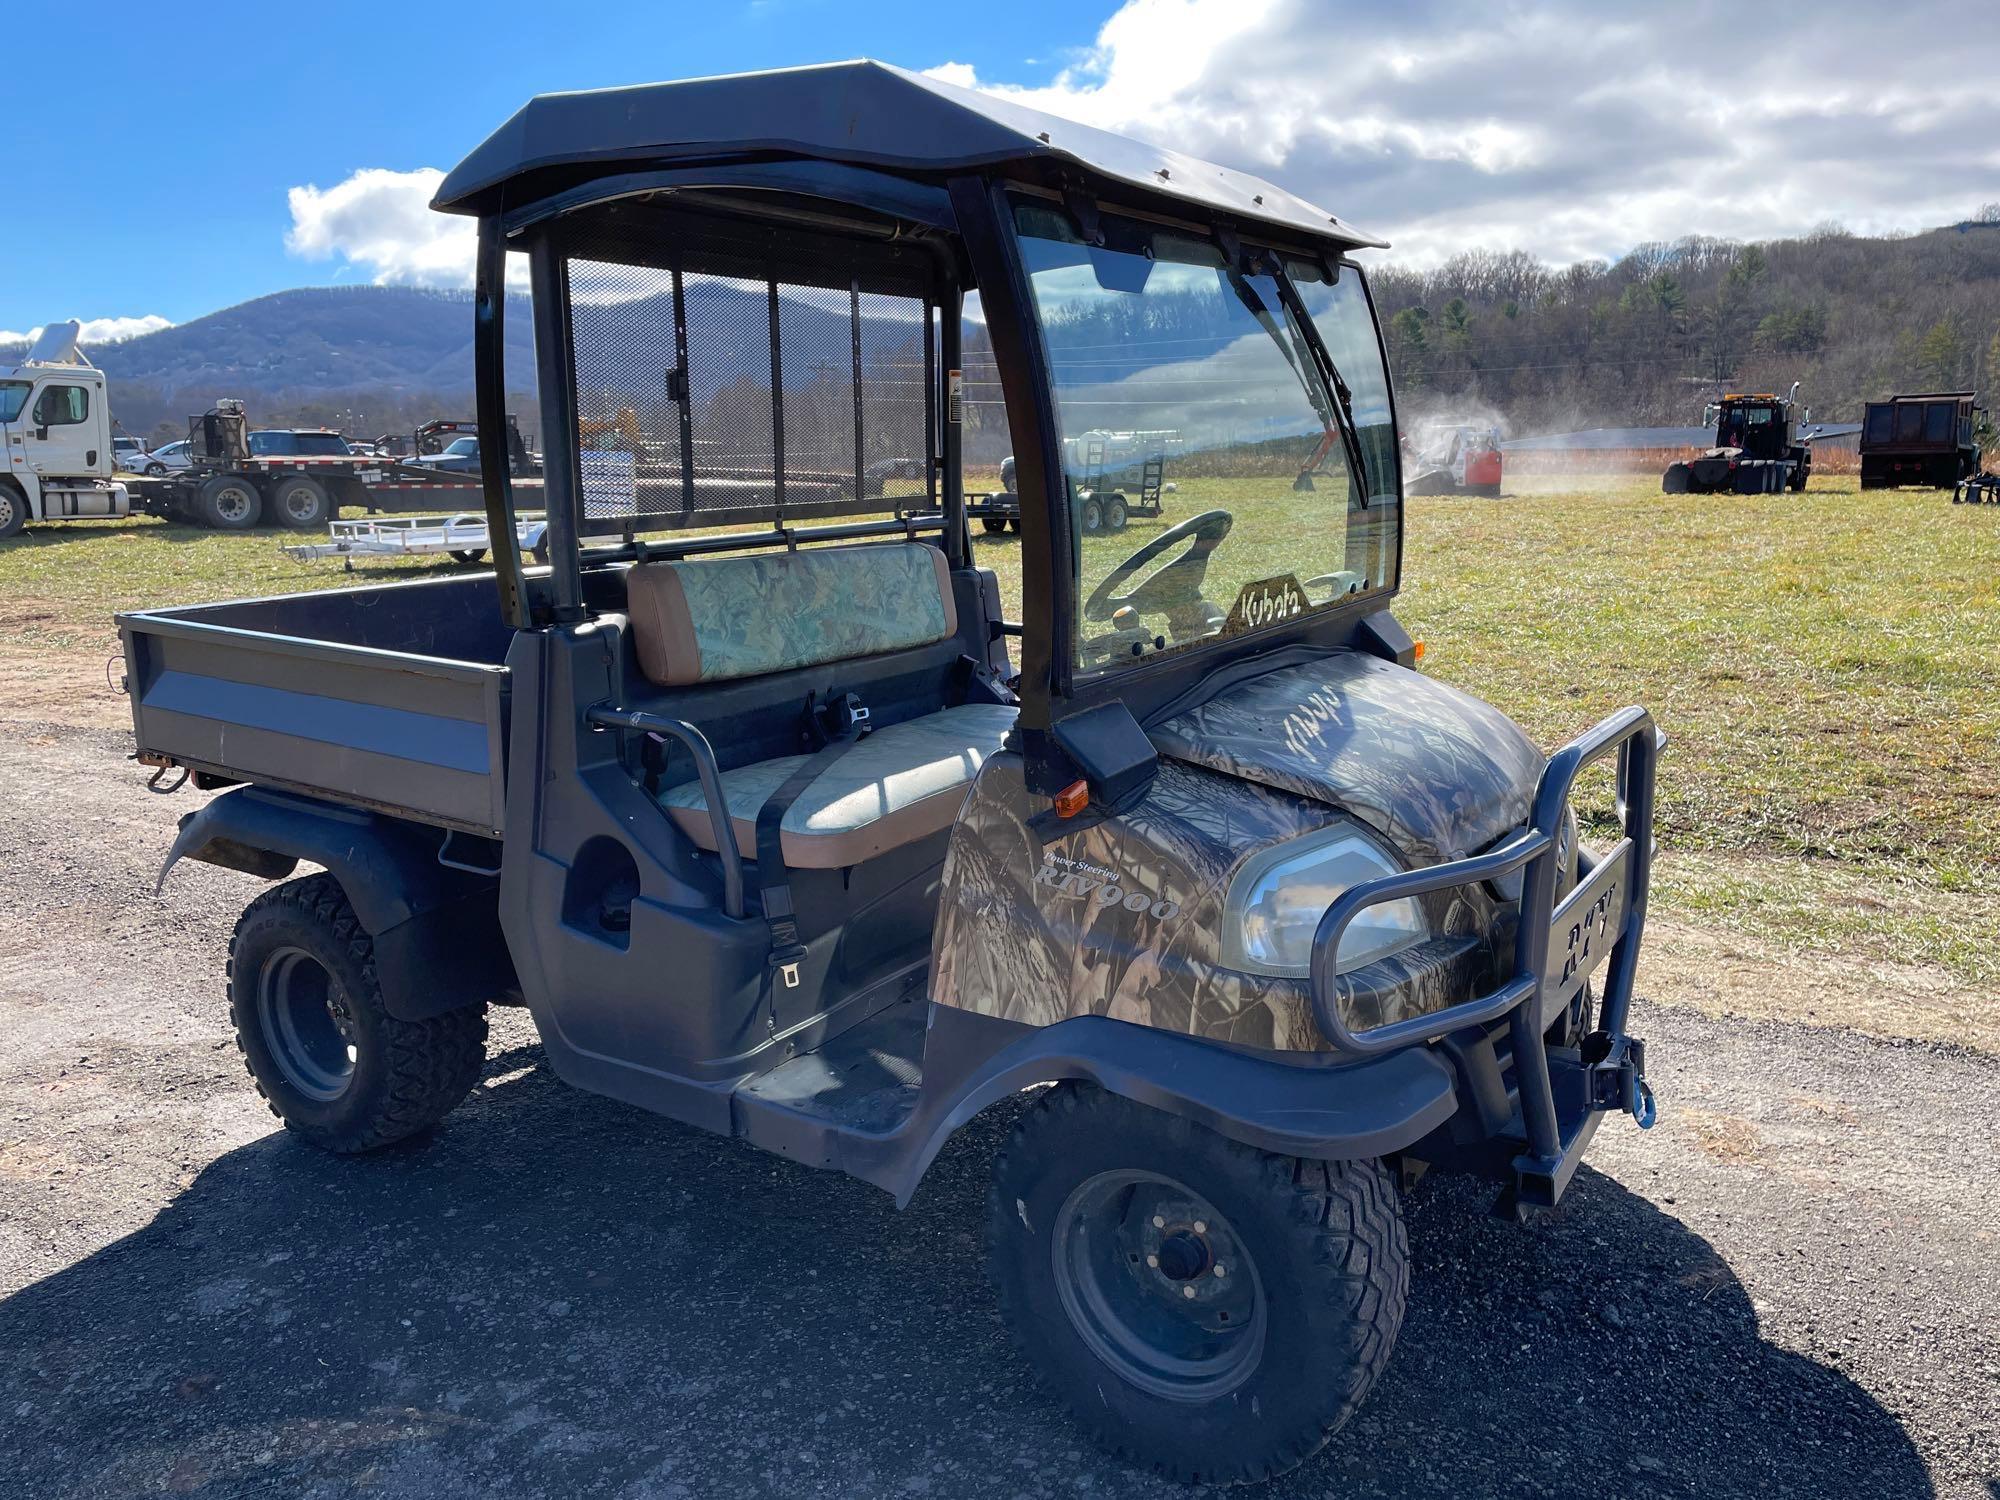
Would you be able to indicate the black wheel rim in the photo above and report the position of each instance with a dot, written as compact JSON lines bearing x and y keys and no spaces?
{"x":306,"y":1024}
{"x":1158,"y":1285}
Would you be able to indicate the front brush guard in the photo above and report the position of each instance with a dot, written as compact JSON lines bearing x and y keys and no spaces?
{"x":1558,"y":948}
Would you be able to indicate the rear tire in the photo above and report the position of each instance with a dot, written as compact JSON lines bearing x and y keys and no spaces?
{"x":13,"y":510}
{"x":228,"y":503}
{"x":300,"y":502}
{"x":1103,"y":1218}
{"x":470,"y":555}
{"x":1090,"y":517}
{"x":1115,"y":513}
{"x":1676,"y":481}
{"x":993,"y":525}
{"x":315,"y":1034}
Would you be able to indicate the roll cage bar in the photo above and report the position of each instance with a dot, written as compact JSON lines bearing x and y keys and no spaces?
{"x":967,"y":221}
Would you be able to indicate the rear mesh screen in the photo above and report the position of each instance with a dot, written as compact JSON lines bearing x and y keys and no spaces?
{"x":707,"y":397}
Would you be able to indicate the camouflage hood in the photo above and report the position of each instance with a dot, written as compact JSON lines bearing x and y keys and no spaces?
{"x":1435,"y":771}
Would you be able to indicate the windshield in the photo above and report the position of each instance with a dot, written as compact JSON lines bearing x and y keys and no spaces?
{"x":464,"y":445}
{"x":13,"y":396}
{"x":1210,"y":467}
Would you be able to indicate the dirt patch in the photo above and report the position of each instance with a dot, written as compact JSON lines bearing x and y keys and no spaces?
{"x":1728,"y":1138}
{"x":66,"y":687}
{"x":1722,"y":973}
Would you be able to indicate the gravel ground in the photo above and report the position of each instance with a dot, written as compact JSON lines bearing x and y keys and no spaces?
{"x":1791,"y":1287}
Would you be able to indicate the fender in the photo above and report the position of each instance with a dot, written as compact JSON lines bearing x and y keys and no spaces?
{"x":1319,"y":1106}
{"x":436,"y":930}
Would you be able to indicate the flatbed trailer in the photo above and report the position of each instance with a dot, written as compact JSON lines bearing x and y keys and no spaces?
{"x":297,"y":490}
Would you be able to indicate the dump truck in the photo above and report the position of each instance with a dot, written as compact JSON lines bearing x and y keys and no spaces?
{"x":1758,"y":449}
{"x":1924,"y":439}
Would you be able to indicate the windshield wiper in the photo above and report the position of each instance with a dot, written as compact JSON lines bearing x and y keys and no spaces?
{"x":1337,"y":420}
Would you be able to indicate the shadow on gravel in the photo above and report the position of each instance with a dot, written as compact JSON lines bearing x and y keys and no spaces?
{"x":556,"y":1295}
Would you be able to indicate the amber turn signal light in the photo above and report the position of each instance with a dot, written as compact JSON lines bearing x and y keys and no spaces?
{"x":1416,"y":651}
{"x":1072,"y":799}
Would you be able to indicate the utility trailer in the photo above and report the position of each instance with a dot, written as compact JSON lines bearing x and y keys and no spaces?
{"x":772,"y":833}
{"x":463,"y":537}
{"x":1926,"y":439}
{"x":1758,"y":449}
{"x":1118,"y":476}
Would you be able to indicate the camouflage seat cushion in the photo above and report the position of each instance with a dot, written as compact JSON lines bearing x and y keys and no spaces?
{"x":898,"y":785}
{"x":711,"y":619}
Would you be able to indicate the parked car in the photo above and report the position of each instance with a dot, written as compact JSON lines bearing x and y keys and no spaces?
{"x":294,"y":442}
{"x":128,"y":455}
{"x":167,"y":457}
{"x":461,"y":456}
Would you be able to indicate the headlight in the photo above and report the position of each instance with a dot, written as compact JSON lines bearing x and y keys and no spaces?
{"x":1277,"y":898}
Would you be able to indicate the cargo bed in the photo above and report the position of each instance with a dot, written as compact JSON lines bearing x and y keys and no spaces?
{"x":391,"y":697}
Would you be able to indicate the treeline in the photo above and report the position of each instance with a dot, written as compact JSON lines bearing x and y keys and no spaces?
{"x":1648,"y":339}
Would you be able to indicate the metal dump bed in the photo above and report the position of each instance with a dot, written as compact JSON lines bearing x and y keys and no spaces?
{"x":391,"y":697}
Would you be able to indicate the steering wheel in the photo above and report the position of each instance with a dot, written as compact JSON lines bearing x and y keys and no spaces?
{"x":1173,"y":585}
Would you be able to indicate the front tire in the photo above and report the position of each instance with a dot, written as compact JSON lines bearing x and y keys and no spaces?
{"x":13,"y":510}
{"x":317,"y":1037}
{"x":1678,"y":480}
{"x":1205,"y":1309}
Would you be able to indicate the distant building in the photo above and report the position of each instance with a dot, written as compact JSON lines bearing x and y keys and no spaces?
{"x":1620,"y":447}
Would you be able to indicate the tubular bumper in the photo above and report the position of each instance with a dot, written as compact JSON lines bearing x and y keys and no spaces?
{"x":1563,"y":1094}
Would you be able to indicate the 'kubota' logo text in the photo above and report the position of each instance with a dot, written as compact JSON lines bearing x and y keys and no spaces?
{"x":1093,"y":883}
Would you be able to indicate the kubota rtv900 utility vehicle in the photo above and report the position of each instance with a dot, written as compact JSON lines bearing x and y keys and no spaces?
{"x":770,"y":831}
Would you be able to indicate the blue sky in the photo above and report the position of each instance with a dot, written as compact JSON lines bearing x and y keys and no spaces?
{"x":175,"y":175}
{"x":1568,"y":128}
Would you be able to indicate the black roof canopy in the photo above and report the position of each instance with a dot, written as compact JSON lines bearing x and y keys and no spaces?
{"x":867,"y":114}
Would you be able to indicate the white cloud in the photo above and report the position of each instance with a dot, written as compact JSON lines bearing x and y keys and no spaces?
{"x":380,"y":222}
{"x":98,"y":330}
{"x":1571,"y":128}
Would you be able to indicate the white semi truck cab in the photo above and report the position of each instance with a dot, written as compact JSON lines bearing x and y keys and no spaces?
{"x":55,"y":430}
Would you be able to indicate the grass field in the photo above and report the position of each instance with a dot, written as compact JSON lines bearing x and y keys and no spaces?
{"x":1827,"y":665}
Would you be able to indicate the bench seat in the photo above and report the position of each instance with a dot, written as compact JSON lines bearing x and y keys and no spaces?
{"x":900,"y":784}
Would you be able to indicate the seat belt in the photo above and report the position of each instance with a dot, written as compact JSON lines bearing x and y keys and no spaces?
{"x":850,"y":723}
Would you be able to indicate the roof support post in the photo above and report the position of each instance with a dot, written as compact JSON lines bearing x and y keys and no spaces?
{"x":489,"y":354}
{"x":562,"y":475}
{"x":1048,"y":580}
{"x":952,"y":423}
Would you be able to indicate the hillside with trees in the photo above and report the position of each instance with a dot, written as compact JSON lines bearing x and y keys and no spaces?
{"x":1646,"y":340}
